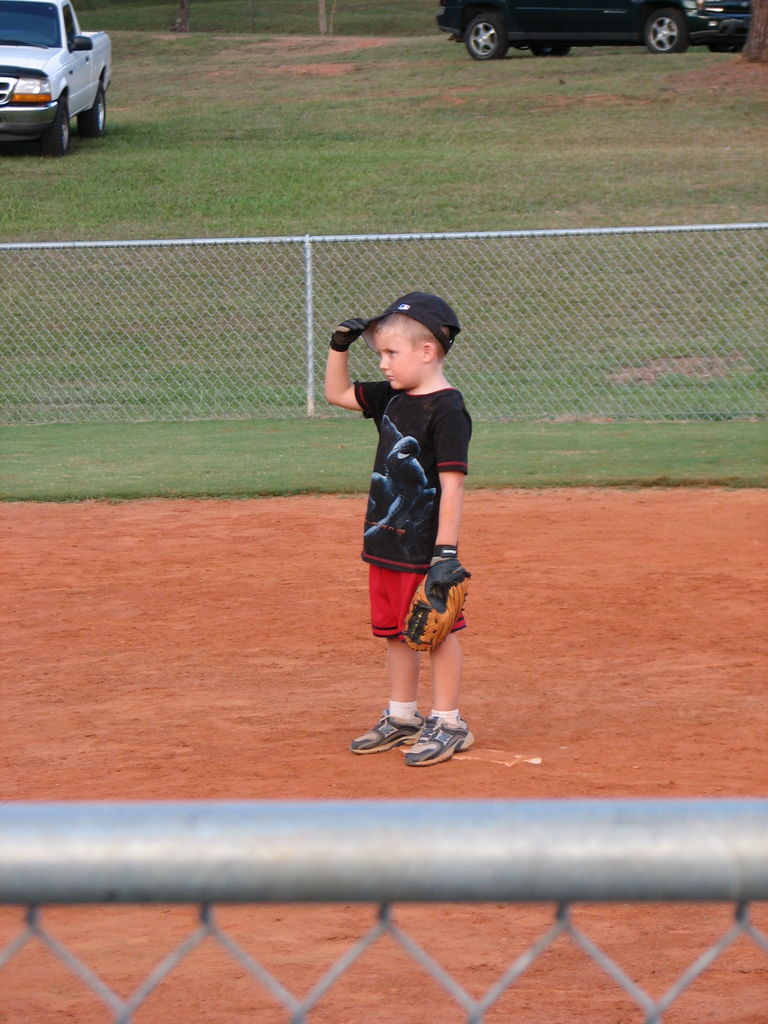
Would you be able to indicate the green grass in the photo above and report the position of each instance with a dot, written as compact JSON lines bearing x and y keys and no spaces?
{"x":256,"y":134}
{"x":249,"y":458}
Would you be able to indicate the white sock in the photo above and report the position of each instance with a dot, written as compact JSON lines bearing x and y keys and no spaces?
{"x":448,"y":716}
{"x":404,"y":711}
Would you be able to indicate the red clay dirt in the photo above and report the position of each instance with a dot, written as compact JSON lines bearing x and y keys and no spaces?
{"x":220,"y":650}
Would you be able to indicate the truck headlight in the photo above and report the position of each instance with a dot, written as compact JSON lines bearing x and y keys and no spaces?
{"x":32,"y":90}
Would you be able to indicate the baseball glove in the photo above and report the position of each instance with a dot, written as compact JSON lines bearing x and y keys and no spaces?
{"x":437,"y":604}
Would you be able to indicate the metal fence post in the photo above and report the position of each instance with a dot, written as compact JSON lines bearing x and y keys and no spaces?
{"x":309,"y":322}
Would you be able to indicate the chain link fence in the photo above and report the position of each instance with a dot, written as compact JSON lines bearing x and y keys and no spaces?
{"x":298,"y":1009}
{"x":355,"y":852}
{"x":625,"y":323}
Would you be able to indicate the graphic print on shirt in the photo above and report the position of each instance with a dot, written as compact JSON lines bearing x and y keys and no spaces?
{"x":400,"y":499}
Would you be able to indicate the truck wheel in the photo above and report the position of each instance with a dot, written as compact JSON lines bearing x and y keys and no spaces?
{"x":665,"y":32}
{"x":92,"y":122}
{"x":486,"y":37}
{"x":55,"y":139}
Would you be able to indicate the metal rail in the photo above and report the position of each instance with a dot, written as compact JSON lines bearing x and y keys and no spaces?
{"x":386,"y":237}
{"x":356,"y":851}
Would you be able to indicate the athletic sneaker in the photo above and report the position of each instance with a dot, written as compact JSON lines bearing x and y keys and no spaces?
{"x":439,"y":740}
{"x":387,"y":733}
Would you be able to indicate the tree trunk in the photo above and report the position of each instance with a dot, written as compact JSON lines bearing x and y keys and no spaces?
{"x":181,"y":24}
{"x":756,"y":48}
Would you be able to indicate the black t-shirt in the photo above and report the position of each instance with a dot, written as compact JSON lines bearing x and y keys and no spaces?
{"x":420,"y":436}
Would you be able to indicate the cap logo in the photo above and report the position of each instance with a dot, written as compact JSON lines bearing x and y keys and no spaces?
{"x":404,"y":305}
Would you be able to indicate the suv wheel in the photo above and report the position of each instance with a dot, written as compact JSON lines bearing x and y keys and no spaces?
{"x":486,"y":37}
{"x":665,"y":32}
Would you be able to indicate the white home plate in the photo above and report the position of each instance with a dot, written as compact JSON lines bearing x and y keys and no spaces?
{"x":496,"y":757}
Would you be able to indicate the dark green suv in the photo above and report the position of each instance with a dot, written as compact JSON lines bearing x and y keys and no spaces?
{"x":551,"y":27}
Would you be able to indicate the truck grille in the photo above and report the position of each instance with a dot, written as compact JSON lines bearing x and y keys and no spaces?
{"x":6,"y":88}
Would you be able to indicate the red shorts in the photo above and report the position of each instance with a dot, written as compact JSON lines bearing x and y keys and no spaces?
{"x":391,"y":594}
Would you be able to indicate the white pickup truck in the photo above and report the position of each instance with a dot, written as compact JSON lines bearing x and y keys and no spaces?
{"x":50,"y":71}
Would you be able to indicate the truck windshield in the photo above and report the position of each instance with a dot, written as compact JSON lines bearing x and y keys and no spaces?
{"x":28,"y":24}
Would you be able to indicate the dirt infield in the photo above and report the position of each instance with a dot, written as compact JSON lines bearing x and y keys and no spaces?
{"x":220,"y":650}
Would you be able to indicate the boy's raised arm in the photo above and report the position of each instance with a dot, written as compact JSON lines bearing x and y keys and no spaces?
{"x":339,"y":389}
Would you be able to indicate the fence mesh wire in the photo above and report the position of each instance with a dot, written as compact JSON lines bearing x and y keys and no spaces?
{"x":624,"y":324}
{"x":298,"y":1008}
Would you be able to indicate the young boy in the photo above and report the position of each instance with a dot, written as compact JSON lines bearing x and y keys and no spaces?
{"x":414,"y":507}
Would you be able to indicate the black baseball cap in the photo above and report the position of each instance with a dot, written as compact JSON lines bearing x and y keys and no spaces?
{"x":430,"y":310}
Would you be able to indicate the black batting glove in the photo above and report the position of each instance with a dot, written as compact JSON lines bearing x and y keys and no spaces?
{"x":444,"y":571}
{"x":346,"y":333}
